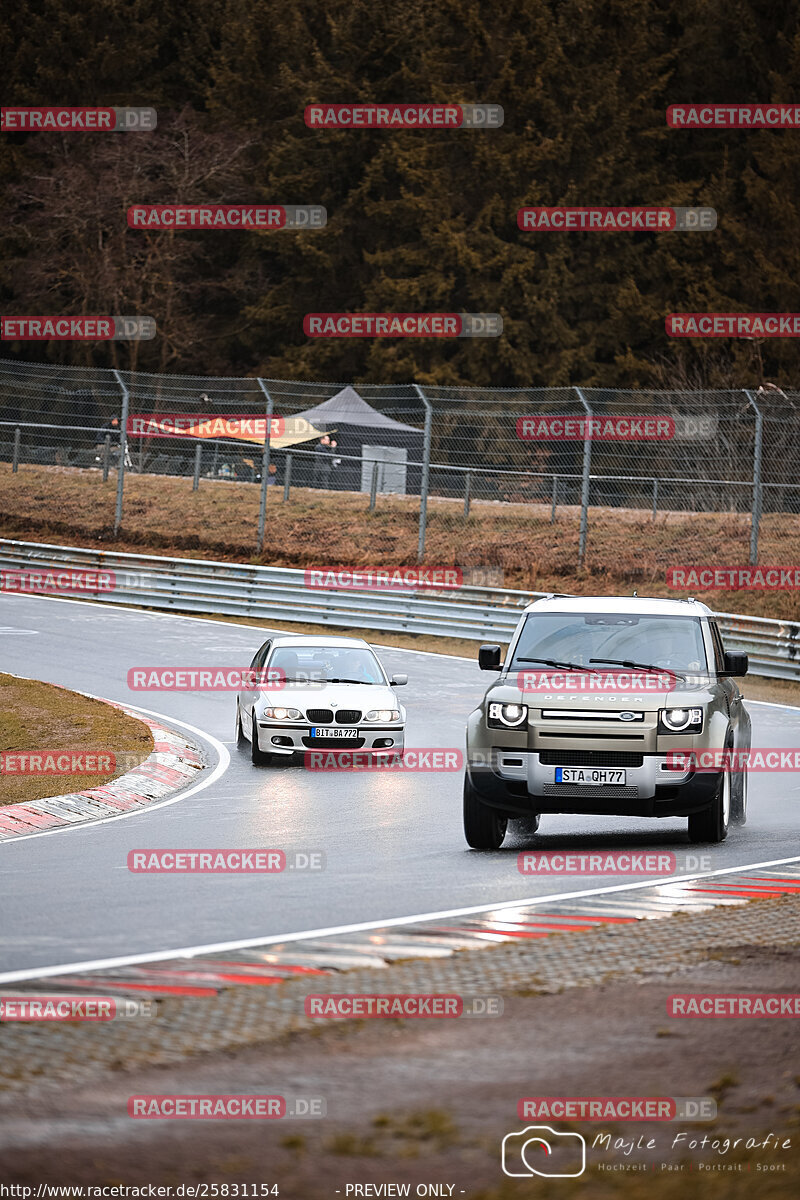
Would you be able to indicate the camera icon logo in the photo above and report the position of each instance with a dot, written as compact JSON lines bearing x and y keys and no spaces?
{"x":540,"y":1150}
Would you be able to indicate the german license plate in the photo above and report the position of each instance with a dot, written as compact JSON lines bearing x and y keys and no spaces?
{"x":334,"y":731}
{"x":591,"y":776}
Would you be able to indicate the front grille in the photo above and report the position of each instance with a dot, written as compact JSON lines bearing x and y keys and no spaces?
{"x":320,"y":716}
{"x":323,"y":743}
{"x":582,"y":714}
{"x":348,"y":716}
{"x":589,"y":758}
{"x":575,"y":735}
{"x":615,"y":791}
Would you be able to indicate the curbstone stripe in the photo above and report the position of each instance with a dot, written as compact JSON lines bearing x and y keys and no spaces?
{"x":171,"y":766}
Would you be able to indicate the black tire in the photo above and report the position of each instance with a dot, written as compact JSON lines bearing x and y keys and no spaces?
{"x":241,"y":740}
{"x":739,"y":798}
{"x":711,"y":825}
{"x":257,"y":757}
{"x":484,"y":827}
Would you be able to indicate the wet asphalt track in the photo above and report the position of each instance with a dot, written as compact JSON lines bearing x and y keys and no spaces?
{"x":393,"y":843}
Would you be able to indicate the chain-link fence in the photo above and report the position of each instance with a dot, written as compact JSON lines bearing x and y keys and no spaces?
{"x":405,"y":472}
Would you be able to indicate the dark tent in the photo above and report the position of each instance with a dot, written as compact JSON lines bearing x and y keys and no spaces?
{"x":363,"y":436}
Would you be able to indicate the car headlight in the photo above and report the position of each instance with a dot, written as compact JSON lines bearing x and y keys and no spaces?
{"x":282,"y":714}
{"x":383,"y":714}
{"x":507,"y":716}
{"x":680,"y":720}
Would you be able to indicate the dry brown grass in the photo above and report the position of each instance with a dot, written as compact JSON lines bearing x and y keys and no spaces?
{"x":39,"y":717}
{"x":626,"y":549}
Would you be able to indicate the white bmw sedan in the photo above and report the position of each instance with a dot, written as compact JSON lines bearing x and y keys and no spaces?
{"x":317,"y":693}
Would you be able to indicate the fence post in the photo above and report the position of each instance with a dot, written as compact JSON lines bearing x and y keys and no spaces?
{"x":198,"y":457}
{"x":106,"y":457}
{"x":287,"y":479}
{"x":655,"y":498}
{"x":554,"y":501}
{"x":587,"y":467}
{"x":373,"y":487}
{"x":262,"y":511}
{"x":755,"y":517}
{"x":123,"y":451}
{"x":426,"y":472}
{"x":17,"y":444}
{"x":467,"y":492}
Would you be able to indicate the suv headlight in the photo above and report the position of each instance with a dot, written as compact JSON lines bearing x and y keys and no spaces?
{"x":282,"y":714}
{"x":680,"y":720}
{"x":506,"y":716}
{"x":383,"y":714}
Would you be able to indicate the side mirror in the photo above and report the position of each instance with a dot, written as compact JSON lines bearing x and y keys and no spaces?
{"x":398,"y":680}
{"x":490,"y":658}
{"x":736,"y":663}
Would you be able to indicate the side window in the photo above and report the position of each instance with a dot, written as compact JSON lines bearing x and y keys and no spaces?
{"x":260,"y":658}
{"x":719,"y":650}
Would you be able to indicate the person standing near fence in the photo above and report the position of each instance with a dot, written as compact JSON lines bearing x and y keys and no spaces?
{"x":111,"y":430}
{"x":323,"y":461}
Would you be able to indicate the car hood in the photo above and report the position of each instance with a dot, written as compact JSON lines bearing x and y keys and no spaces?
{"x":682,"y":695}
{"x":363,"y":696}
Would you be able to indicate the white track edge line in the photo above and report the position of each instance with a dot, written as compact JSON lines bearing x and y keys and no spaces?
{"x":126,"y":960}
{"x":224,"y":761}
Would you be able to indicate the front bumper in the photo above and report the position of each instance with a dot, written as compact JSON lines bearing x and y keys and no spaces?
{"x":519,"y":783}
{"x":286,"y":738}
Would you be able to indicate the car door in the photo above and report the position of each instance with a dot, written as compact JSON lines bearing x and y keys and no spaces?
{"x":250,"y":688}
{"x":737,"y":713}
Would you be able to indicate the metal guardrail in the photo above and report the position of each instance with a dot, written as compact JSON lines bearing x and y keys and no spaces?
{"x":280,"y":594}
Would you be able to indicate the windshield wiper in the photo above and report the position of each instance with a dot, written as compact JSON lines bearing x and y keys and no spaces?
{"x":368,"y":682}
{"x":567,"y":666}
{"x":627,"y":662}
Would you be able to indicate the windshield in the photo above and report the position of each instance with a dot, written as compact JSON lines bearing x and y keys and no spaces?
{"x":327,"y":664}
{"x":674,"y":643}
